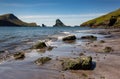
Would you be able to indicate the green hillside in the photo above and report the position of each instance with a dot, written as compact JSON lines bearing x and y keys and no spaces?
{"x":12,"y":20}
{"x":110,"y":19}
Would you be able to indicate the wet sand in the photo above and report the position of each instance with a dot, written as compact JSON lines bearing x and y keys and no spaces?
{"x":106,"y":64}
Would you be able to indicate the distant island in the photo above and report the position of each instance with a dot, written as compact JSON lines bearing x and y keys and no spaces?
{"x":110,"y":19}
{"x":12,"y":20}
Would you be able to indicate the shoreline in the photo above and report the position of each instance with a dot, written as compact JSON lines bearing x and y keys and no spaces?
{"x":107,"y":64}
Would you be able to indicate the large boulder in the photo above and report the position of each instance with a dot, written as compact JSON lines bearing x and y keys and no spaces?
{"x":84,"y":63}
{"x":42,"y":60}
{"x":69,"y":38}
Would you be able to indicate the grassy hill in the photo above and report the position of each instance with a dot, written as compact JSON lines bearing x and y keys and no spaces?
{"x":110,"y":19}
{"x":12,"y":20}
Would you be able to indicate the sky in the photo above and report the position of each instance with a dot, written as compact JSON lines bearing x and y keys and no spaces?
{"x":70,"y":12}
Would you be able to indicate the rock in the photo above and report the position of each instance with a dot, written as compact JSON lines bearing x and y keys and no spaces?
{"x":19,"y":55}
{"x":59,"y":23}
{"x":44,"y":25}
{"x":12,"y":20}
{"x":108,"y":49}
{"x":40,"y":45}
{"x":112,"y":21}
{"x":42,"y":60}
{"x":77,"y":63}
{"x":69,"y":38}
{"x":91,"y":37}
{"x":102,"y":41}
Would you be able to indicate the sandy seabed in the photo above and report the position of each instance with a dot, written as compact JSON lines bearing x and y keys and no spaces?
{"x":107,"y":65}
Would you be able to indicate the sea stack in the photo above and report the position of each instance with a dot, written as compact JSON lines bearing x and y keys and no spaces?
{"x":43,"y":25}
{"x":12,"y":20}
{"x":59,"y":23}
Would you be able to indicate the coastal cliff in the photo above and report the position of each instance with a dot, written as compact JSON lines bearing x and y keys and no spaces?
{"x":12,"y":20}
{"x":110,"y":19}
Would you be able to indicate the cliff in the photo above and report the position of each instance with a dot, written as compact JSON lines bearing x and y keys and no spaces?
{"x":110,"y":19}
{"x":12,"y":20}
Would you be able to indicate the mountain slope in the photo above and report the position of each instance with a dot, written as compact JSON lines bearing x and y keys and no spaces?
{"x":110,"y":19}
{"x":12,"y":20}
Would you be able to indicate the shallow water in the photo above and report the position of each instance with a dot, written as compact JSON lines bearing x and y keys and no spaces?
{"x":15,"y":39}
{"x":21,"y":38}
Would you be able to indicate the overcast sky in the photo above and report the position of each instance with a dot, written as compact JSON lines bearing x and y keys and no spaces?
{"x":71,"y":12}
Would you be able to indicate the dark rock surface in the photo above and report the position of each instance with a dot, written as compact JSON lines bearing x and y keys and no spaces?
{"x":59,"y":23}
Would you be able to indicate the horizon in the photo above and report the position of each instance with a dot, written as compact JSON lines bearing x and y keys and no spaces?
{"x":70,"y":12}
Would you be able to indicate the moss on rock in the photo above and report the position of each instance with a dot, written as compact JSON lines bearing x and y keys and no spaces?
{"x":42,"y":60}
{"x":19,"y":55}
{"x":78,"y":63}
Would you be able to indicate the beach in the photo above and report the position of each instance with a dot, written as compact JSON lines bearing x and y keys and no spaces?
{"x":106,"y":64}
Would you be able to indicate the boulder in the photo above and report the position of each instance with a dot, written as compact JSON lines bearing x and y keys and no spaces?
{"x":90,"y":37}
{"x":40,"y":45}
{"x":19,"y":55}
{"x":84,"y":63}
{"x":69,"y":38}
{"x":42,"y":60}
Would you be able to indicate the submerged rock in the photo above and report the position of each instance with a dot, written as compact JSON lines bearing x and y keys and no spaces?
{"x":91,"y":37}
{"x":40,"y":45}
{"x":77,"y":63}
{"x":19,"y":55}
{"x":42,"y":60}
{"x":69,"y":38}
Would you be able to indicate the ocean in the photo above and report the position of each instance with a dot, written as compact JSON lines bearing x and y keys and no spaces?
{"x":14,"y":39}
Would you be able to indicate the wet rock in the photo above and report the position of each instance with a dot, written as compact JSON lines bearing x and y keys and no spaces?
{"x":84,"y":63}
{"x":42,"y":60}
{"x":102,"y":41}
{"x":69,"y":38}
{"x":19,"y":55}
{"x":91,"y":37}
{"x":108,"y":49}
{"x":40,"y":45}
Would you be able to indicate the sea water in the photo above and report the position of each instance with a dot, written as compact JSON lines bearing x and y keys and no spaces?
{"x":22,"y":38}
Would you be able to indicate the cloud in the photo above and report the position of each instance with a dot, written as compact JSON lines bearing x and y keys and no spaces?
{"x":73,"y":19}
{"x":26,"y":5}
{"x":61,"y":16}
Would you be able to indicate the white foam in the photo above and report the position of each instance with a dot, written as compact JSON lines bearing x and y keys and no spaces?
{"x":49,"y":42}
{"x":66,"y":32}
